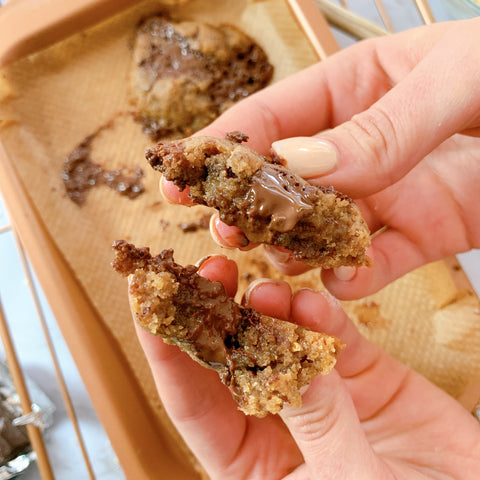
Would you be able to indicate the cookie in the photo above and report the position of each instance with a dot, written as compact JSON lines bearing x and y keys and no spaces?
{"x":262,"y":360}
{"x":185,"y":74}
{"x":269,"y":203}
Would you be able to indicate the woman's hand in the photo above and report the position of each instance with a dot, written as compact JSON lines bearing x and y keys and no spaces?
{"x":399,"y":118}
{"x":370,"y":418}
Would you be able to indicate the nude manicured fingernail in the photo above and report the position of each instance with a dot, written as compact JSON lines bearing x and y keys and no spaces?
{"x":345,"y":274}
{"x":307,"y":156}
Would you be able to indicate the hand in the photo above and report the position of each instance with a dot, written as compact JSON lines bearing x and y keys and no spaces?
{"x":403,"y":113}
{"x":370,"y":418}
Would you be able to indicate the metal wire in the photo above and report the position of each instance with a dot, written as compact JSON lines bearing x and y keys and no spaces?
{"x":54,"y":357}
{"x":35,"y":434}
{"x":340,"y":15}
{"x":382,"y":11}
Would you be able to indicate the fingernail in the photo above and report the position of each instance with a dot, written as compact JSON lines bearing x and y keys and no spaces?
{"x":255,"y":284}
{"x":203,"y":260}
{"x":173,"y":195}
{"x":307,"y":156}
{"x":225,"y":235}
{"x":345,"y":274}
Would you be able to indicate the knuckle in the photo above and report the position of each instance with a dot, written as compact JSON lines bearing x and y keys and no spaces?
{"x":271,"y":122}
{"x":376,"y":136}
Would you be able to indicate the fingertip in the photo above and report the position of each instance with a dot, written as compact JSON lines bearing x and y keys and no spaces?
{"x":347,"y":284}
{"x":345,"y":274}
{"x":172,"y":194}
{"x":313,"y":309}
{"x":392,"y":255}
{"x":219,"y":268}
{"x":283,"y":260}
{"x":272,"y":298}
{"x":228,"y":236}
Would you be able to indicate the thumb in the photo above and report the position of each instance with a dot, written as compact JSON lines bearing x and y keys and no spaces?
{"x":326,"y":429}
{"x":381,"y":144}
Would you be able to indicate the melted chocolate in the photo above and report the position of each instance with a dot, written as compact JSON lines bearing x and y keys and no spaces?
{"x":211,"y":312}
{"x":239,"y":76}
{"x":173,"y":57}
{"x":279,"y":195}
{"x":263,"y":361}
{"x":80,"y":174}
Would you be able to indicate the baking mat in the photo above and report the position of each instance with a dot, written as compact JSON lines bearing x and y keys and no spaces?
{"x":51,"y":101}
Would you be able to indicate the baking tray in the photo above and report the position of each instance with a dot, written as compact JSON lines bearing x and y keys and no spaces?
{"x":52,"y":100}
{"x":112,"y":366}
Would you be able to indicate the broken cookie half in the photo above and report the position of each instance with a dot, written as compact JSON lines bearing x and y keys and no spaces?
{"x":268,"y":202}
{"x":262,"y":360}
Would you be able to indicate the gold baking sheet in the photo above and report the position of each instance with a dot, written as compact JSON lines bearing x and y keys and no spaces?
{"x":52,"y":100}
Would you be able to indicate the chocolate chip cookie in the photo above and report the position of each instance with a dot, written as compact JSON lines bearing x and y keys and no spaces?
{"x":185,"y":74}
{"x":262,"y":360}
{"x":269,"y":203}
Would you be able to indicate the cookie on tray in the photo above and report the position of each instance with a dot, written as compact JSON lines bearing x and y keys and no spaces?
{"x":185,"y":74}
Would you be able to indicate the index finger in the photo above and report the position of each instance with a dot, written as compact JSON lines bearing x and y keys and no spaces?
{"x":296,"y":105}
{"x":265,"y":117}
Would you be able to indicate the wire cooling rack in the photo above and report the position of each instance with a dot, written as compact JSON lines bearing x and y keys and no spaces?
{"x":75,"y":446}
{"x":331,"y":25}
